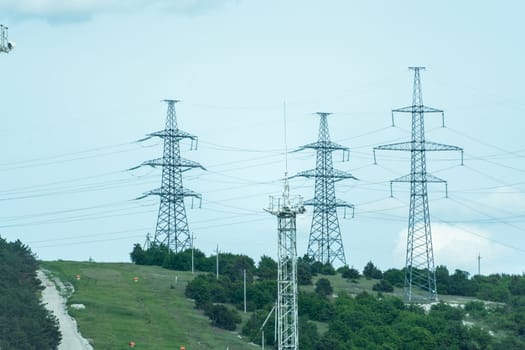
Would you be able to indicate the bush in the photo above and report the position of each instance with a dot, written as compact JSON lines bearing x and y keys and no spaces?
{"x":350,"y":273}
{"x":395,"y":277}
{"x":323,"y":287}
{"x":222,"y":317}
{"x":383,"y":286}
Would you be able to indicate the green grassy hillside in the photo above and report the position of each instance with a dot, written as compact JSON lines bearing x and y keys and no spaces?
{"x":152,"y":312}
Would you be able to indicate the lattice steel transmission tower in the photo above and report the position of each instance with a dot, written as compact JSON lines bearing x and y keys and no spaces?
{"x":325,"y":243}
{"x":286,"y":210}
{"x":172,"y":224}
{"x":419,"y":271}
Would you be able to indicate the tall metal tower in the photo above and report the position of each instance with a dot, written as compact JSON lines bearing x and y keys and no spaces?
{"x":286,"y":210}
{"x":5,"y":44}
{"x":325,"y":243}
{"x":419,"y":271}
{"x":172,"y":224}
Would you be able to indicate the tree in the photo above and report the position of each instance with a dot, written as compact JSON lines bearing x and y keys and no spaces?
{"x":349,"y":273}
{"x":267,"y":268}
{"x":138,"y":256}
{"x":371,"y":271}
{"x":309,"y":334}
{"x":323,"y":287}
{"x":222,"y":317}
{"x":383,"y":286}
{"x":395,"y":277}
{"x":517,"y":285}
{"x":304,"y":272}
{"x":315,"y":306}
{"x":459,"y":283}
{"x":442,"y":279}
{"x":24,"y":322}
{"x":327,"y":269}
{"x":199,"y":289}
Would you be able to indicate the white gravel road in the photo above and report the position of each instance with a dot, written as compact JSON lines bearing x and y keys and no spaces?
{"x":71,"y":337}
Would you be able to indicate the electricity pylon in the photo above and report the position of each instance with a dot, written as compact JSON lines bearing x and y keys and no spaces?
{"x":286,"y":210}
{"x":419,"y":270}
{"x":172,"y":224}
{"x":325,"y":243}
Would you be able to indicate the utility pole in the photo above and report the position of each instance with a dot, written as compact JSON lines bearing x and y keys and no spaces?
{"x":217,"y":261}
{"x":244,"y":275}
{"x":5,"y":45}
{"x":192,"y":255}
{"x":479,"y":264}
{"x":286,"y":210}
{"x":264,"y":324}
{"x":419,"y":271}
{"x":325,"y":243}
{"x":172,"y":228}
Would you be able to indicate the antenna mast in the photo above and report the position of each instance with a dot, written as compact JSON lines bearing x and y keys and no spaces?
{"x":286,"y":210}
{"x":5,"y":45}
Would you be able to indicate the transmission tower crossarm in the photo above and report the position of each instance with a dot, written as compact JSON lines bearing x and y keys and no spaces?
{"x":176,"y":133}
{"x":337,"y":175}
{"x":159,"y":192}
{"x":434,"y":146}
{"x":338,"y":203}
{"x":324,"y":145}
{"x":419,"y":109}
{"x":184,"y":164}
{"x":417,"y":146}
{"x":399,"y":146}
{"x":428,"y":178}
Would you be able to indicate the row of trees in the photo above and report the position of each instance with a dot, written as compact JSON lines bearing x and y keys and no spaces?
{"x":24,"y":322}
{"x":495,"y":287}
{"x":231,"y":265}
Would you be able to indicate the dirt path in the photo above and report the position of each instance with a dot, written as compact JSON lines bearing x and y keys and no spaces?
{"x":71,"y":337}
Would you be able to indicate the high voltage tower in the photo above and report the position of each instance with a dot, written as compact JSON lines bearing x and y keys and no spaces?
{"x":286,"y":210}
{"x":325,"y":243}
{"x":419,"y":271}
{"x":172,"y":224}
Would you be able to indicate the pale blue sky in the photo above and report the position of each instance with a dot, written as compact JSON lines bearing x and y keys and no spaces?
{"x":86,"y":80}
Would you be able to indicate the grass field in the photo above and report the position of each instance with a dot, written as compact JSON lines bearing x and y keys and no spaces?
{"x":152,"y":312}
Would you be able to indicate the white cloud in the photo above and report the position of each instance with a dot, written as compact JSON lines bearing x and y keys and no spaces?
{"x":75,"y":10}
{"x":457,"y":247}
{"x":510,"y":198}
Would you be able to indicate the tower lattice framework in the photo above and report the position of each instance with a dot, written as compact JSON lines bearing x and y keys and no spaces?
{"x":420,"y":277}
{"x":172,"y":223}
{"x":325,"y":243}
{"x":286,"y":210}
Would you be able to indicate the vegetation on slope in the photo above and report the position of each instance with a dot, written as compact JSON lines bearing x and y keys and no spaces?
{"x":356,"y":318}
{"x":338,"y":309}
{"x":152,"y":312}
{"x":24,"y":322}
